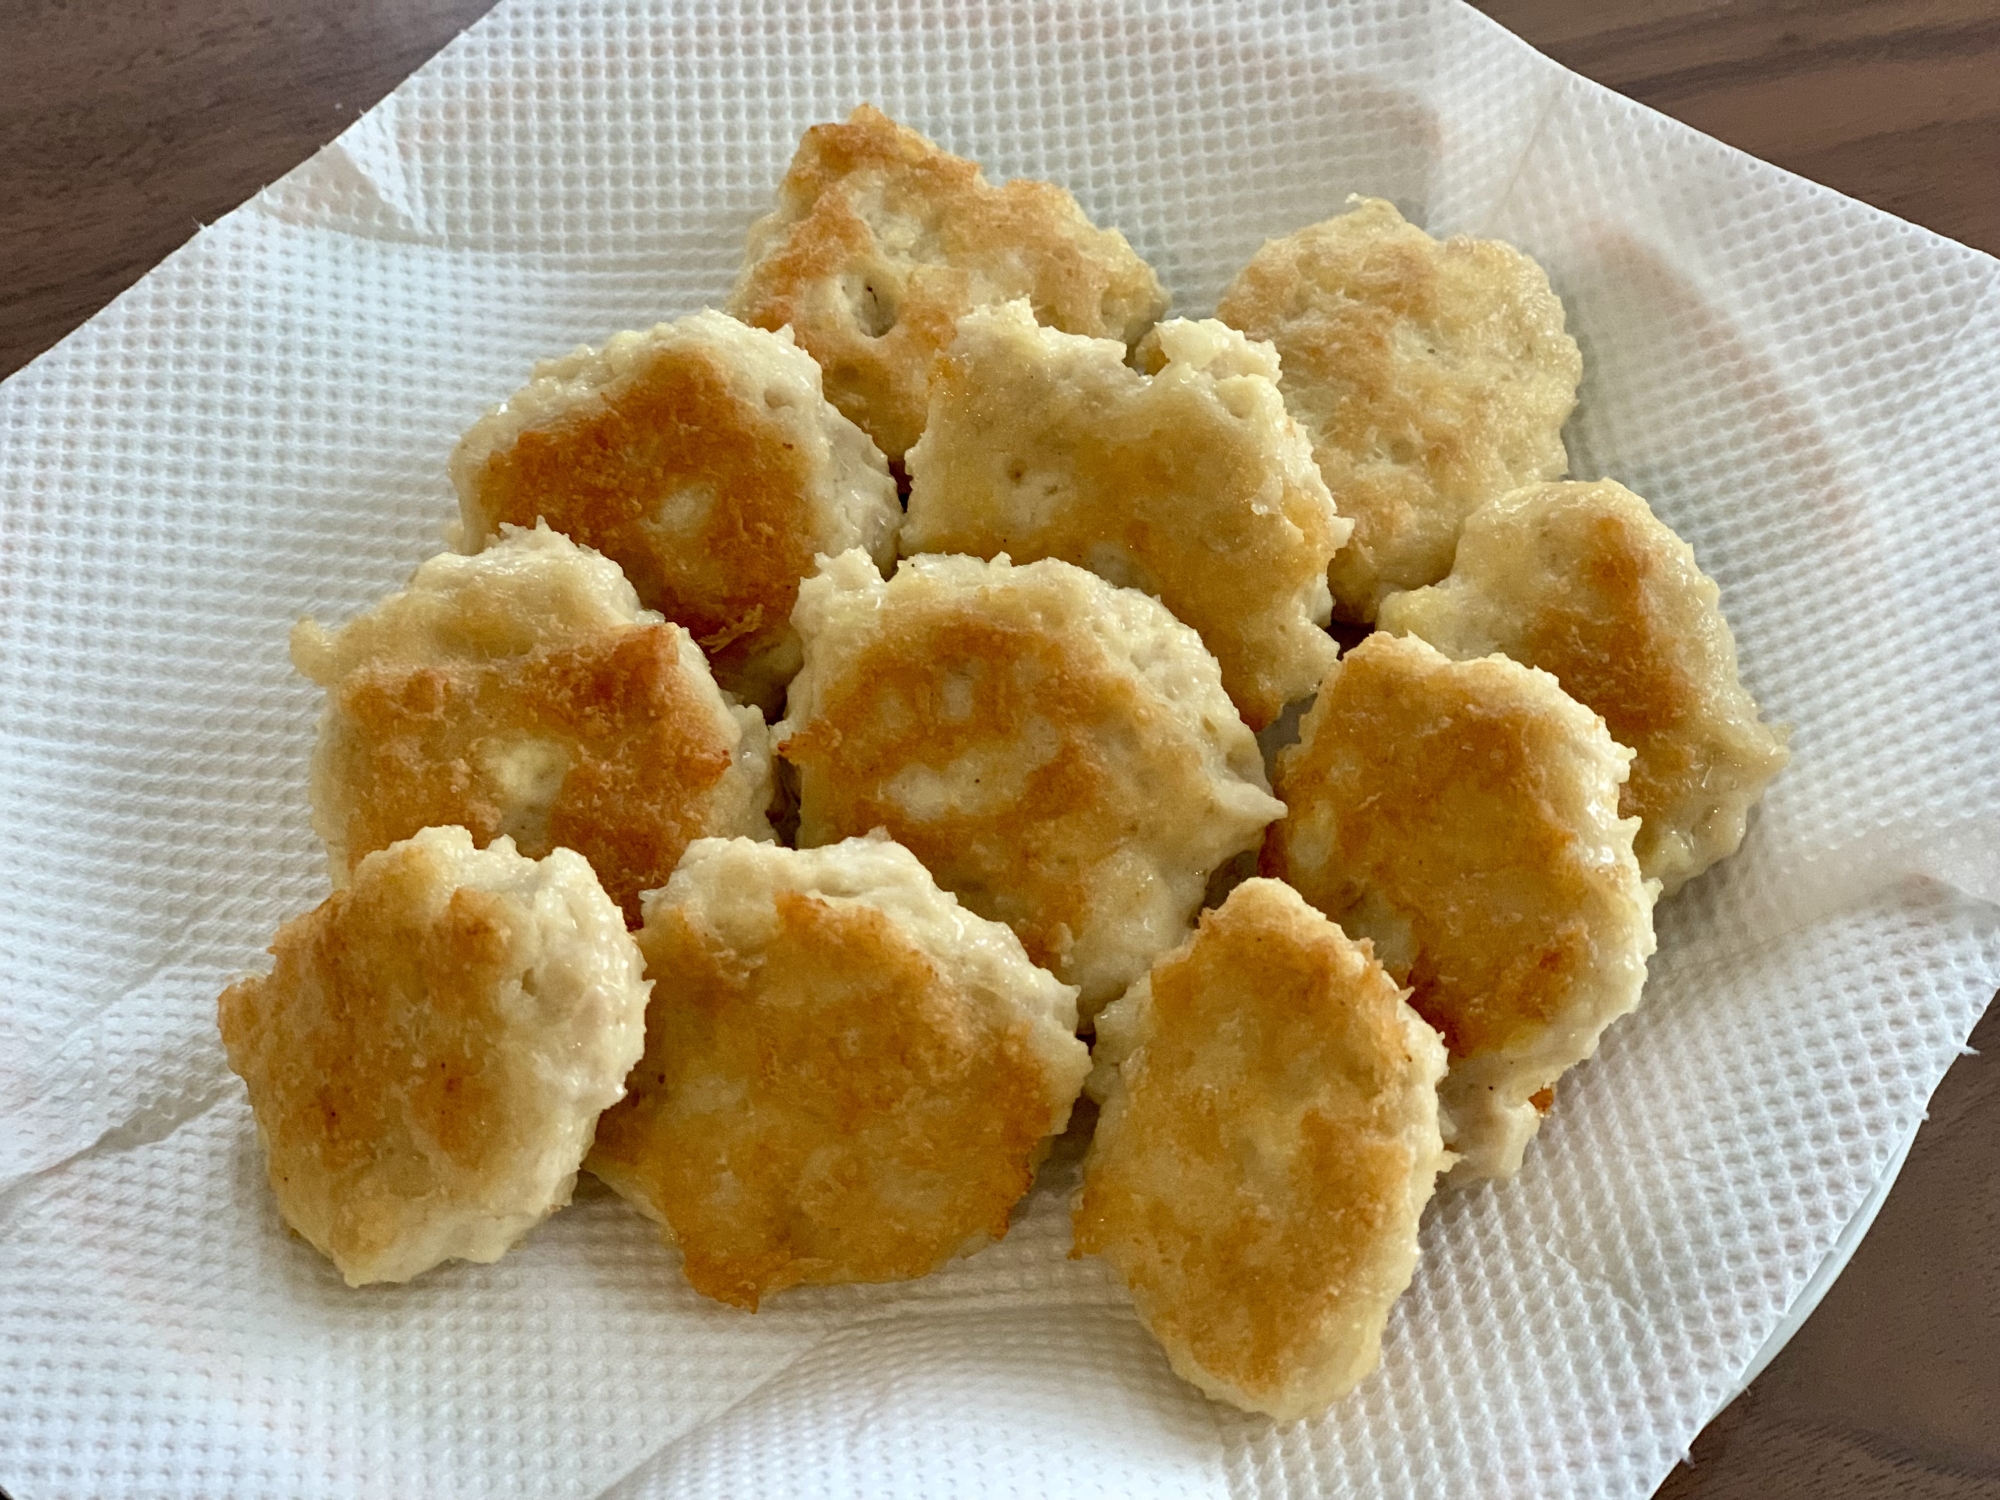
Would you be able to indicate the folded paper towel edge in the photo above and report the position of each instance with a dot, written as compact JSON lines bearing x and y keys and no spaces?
{"x":1736,"y":155}
{"x":1809,"y":1296}
{"x":341,"y":159}
{"x":1835,"y":1259}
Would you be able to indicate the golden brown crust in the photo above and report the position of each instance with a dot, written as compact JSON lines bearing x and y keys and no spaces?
{"x":1265,"y":1154}
{"x":1193,"y":485}
{"x":1583,"y":581}
{"x":522,"y":691}
{"x":1463,"y":815}
{"x":1431,"y":375}
{"x":828,"y":1108}
{"x":1038,"y":776}
{"x":639,"y":751}
{"x":890,"y":709}
{"x":439,"y":981}
{"x":597,"y":475}
{"x":1451,"y":801}
{"x":702,"y":458}
{"x":424,"y":1053}
{"x":881,"y":241}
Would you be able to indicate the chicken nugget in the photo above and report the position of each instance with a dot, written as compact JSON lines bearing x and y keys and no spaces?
{"x":524,"y":692}
{"x":1268,"y":1143}
{"x":1058,"y":752}
{"x":1585,"y":582}
{"x":702,"y":458}
{"x":432,"y":1047}
{"x":1464,"y":817}
{"x":1431,"y":376}
{"x":1192,"y":485}
{"x":879,"y":244}
{"x":847,"y":1077}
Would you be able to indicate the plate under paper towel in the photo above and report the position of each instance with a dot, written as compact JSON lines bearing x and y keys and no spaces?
{"x":1804,"y":388}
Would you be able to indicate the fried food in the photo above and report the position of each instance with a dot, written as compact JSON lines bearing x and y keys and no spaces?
{"x":524,"y":692}
{"x":1585,"y":582}
{"x":1058,"y":752}
{"x":431,"y":1050}
{"x":702,"y":458}
{"x":1464,"y":817}
{"x":1268,"y":1143}
{"x":847,"y":1077}
{"x":1431,"y":376}
{"x":879,"y":244}
{"x":1192,"y":485}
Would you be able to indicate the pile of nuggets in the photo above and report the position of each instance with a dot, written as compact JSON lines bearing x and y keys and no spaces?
{"x":1020,"y":571}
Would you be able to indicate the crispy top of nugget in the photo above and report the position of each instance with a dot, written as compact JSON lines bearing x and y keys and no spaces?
{"x":1269,"y":1140}
{"x":432,"y":1047}
{"x":1192,"y":485}
{"x":848,"y":1076}
{"x":702,"y":458}
{"x":1464,"y":816}
{"x":1057,"y":752}
{"x":524,"y":692}
{"x":1583,"y":581}
{"x":1431,"y":375}
{"x":881,"y":241}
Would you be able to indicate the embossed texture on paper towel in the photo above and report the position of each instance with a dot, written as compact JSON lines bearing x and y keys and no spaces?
{"x":1802,"y":387}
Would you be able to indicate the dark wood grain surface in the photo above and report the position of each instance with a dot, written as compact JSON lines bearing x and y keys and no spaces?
{"x":124,"y":124}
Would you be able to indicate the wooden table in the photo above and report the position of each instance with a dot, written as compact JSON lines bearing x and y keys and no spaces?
{"x":125,"y":123}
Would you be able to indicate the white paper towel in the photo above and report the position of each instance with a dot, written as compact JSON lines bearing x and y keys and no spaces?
{"x":1805,"y":388}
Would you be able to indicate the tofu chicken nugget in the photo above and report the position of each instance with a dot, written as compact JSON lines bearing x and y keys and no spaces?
{"x":1268,"y":1143}
{"x":1058,"y":752}
{"x":524,"y":692}
{"x":1193,"y":485}
{"x":702,"y":458}
{"x":879,"y":244}
{"x":1464,"y":817}
{"x":847,"y":1077}
{"x":432,"y":1047}
{"x":1585,"y":582}
{"x":1431,"y":376}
